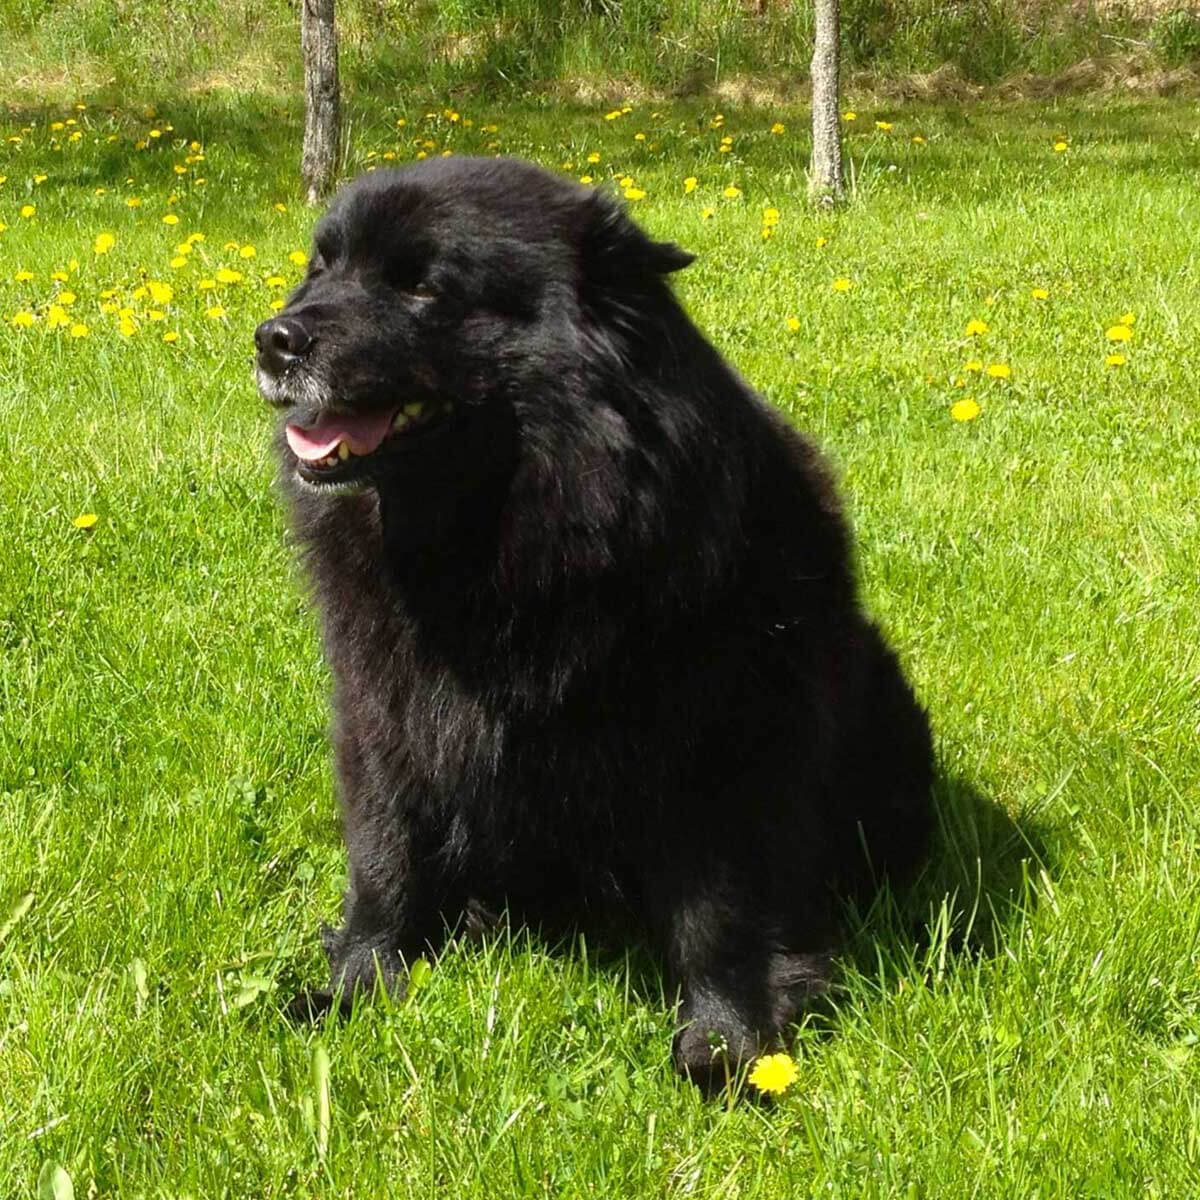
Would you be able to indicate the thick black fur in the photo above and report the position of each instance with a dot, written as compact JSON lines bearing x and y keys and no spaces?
{"x":594,"y":636}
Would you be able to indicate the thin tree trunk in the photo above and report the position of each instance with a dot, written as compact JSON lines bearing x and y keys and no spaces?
{"x":825,"y":183}
{"x":322,"y":111}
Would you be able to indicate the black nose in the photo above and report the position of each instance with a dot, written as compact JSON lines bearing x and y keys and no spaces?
{"x":281,"y":342}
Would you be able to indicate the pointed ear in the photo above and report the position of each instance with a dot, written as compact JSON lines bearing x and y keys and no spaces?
{"x":615,"y":251}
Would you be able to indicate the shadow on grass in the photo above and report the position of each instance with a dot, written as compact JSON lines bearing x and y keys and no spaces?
{"x":963,"y":906}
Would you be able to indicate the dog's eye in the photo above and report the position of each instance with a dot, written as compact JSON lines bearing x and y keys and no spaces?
{"x":422,"y":291}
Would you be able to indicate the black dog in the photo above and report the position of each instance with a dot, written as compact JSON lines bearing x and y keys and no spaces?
{"x":588,"y":602}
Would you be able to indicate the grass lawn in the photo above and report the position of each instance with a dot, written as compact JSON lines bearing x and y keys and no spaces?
{"x":1025,"y":1023}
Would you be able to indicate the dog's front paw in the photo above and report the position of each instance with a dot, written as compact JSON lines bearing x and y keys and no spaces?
{"x":308,"y":1007}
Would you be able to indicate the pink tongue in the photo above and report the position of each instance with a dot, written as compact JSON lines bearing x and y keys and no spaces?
{"x":362,"y":432}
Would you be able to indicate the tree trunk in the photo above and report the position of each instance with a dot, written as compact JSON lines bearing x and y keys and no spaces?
{"x":322,"y":112}
{"x":825,"y":184}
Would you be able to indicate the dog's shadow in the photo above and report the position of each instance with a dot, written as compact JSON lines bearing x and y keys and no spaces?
{"x":976,"y":887}
{"x":978,"y":884}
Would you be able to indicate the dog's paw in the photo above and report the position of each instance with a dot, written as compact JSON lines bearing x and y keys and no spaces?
{"x":308,"y":1007}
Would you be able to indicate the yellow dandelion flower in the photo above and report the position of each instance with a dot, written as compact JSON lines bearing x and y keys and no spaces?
{"x":23,"y":276}
{"x":1118,"y":333}
{"x":170,"y":219}
{"x":277,"y":304}
{"x":974,"y":365}
{"x":1059,"y":147}
{"x":850,"y":116}
{"x":206,"y":285}
{"x":298,"y":257}
{"x":707,"y":213}
{"x":639,"y":137}
{"x":770,"y":216}
{"x":160,"y":293}
{"x":842,"y":284}
{"x":964,"y":410}
{"x":634,"y":193}
{"x":225,"y":275}
{"x":127,"y":327}
{"x":279,"y":207}
{"x":626,"y":181}
{"x":1127,"y":319}
{"x":731,"y":192}
{"x":170,"y":336}
{"x":247,"y":252}
{"x":215,"y":313}
{"x":27,"y":211}
{"x":56,"y":317}
{"x":821,"y":242}
{"x":1040,"y":293}
{"x":23,"y":320}
{"x":133,"y":202}
{"x":690,"y":184}
{"x":79,"y":330}
{"x":975,"y":327}
{"x":778,"y":127}
{"x":276,"y":281}
{"x":586,"y":179}
{"x":593,"y":157}
{"x":998,"y":370}
{"x":179,"y":169}
{"x":612,"y":116}
{"x":774,"y":1073}
{"x":180,"y":260}
{"x":918,"y":140}
{"x":155,"y":314}
{"x":40,"y":179}
{"x":194,"y":238}
{"x":886,"y":126}
{"x":85,"y":520}
{"x":1115,"y":360}
{"x":793,"y":324}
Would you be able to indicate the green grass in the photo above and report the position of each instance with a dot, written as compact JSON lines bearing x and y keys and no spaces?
{"x":479,"y":46}
{"x":1023,"y":1024}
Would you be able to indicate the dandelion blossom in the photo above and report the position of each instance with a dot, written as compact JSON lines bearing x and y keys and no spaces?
{"x":298,"y":257}
{"x":1118,"y":333}
{"x":27,"y":210}
{"x":23,"y":320}
{"x":1127,"y":319}
{"x":778,"y":127}
{"x":690,"y":184}
{"x":225,"y":275}
{"x":23,"y":276}
{"x":842,"y":284}
{"x":975,"y":327}
{"x":998,"y":370}
{"x":774,"y":1073}
{"x":849,"y":116}
{"x":215,"y":313}
{"x":79,"y":330}
{"x":974,"y":365}
{"x":964,"y":410}
{"x":85,"y":520}
{"x":1040,"y":293}
{"x":104,"y":243}
{"x":731,"y":192}
{"x":793,"y":324}
{"x":1115,"y":360}
{"x":885,"y":126}
{"x":634,"y":193}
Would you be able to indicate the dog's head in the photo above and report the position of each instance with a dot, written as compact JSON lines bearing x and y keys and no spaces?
{"x":439,"y":299}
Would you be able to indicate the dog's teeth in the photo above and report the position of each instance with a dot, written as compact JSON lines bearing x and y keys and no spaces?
{"x":401,"y":422}
{"x":343,"y":451}
{"x":414,"y":410}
